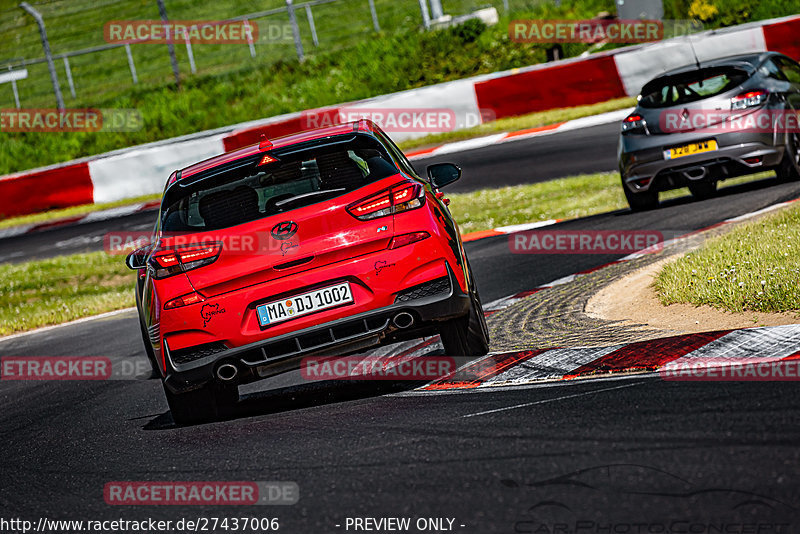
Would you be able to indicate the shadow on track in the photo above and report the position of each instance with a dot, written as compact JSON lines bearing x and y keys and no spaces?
{"x":289,"y":399}
{"x":725,"y":191}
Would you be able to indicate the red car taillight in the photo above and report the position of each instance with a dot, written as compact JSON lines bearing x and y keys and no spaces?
{"x":183,"y":300}
{"x":750,"y":99}
{"x":399,"y":198}
{"x":170,"y":261}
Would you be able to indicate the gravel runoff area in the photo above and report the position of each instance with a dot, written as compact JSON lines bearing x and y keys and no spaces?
{"x":616,"y":304}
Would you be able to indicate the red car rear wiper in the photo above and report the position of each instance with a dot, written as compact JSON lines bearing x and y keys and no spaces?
{"x":288,"y":201}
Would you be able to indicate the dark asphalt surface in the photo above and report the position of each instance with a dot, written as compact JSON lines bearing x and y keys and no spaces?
{"x":537,"y":159}
{"x":585,"y":456}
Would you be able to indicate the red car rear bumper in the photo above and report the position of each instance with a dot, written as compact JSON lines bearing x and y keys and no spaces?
{"x":332,"y":332}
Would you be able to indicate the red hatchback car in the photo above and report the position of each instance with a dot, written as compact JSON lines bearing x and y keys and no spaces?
{"x":325,"y":242}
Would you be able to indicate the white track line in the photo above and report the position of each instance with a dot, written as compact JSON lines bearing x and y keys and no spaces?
{"x":526,"y":226}
{"x":70,"y":323}
{"x":15,"y":230}
{"x":545,"y":401}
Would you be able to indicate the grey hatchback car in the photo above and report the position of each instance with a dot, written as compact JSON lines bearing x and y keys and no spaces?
{"x":700,"y":124}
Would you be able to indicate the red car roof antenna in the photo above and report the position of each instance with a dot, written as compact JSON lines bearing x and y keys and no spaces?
{"x":265,"y":143}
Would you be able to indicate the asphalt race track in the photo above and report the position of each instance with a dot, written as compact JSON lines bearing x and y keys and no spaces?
{"x":556,"y":155}
{"x":629,"y":454}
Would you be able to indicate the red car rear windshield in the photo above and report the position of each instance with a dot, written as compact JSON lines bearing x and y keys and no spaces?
{"x":249,"y":189}
{"x":690,"y":86}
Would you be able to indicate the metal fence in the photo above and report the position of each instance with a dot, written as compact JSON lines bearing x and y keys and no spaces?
{"x":91,"y":71}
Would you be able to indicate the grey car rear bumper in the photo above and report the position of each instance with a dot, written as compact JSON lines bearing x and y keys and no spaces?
{"x":738,"y":154}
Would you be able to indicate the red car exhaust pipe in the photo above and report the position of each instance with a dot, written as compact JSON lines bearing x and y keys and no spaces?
{"x":227,"y":372}
{"x":403,"y":320}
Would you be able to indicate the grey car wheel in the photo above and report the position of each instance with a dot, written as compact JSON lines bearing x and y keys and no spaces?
{"x":789,"y":168}
{"x":646,"y":200}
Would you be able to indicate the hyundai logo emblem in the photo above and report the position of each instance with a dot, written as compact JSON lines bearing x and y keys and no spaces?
{"x":284,"y":230}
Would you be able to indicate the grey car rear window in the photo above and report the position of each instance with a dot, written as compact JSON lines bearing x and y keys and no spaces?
{"x":690,"y":86}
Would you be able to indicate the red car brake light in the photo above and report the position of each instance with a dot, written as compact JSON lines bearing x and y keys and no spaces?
{"x":405,"y":194}
{"x":402,"y":197}
{"x":749,"y":99}
{"x":183,"y":300}
{"x":372,"y":207}
{"x":170,"y":261}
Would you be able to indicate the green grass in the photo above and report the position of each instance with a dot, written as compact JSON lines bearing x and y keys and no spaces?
{"x":752,"y":268}
{"x":78,"y":24}
{"x":530,"y":120}
{"x":565,"y":198}
{"x":352,"y":62}
{"x":53,"y":291}
{"x":371,"y":68}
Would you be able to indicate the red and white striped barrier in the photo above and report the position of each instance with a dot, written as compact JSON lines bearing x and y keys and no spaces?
{"x":38,"y":190}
